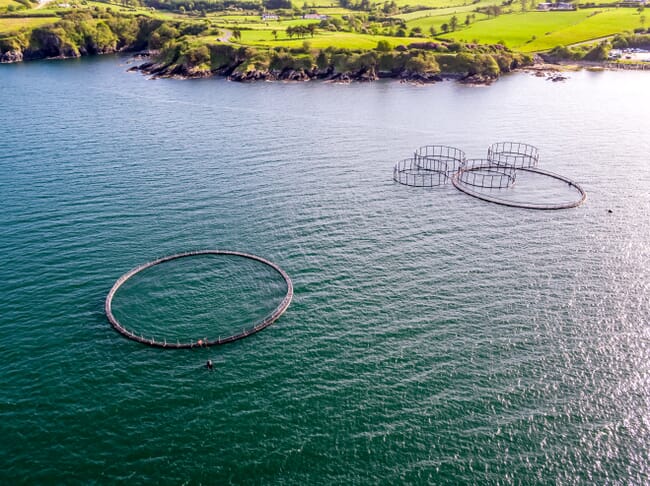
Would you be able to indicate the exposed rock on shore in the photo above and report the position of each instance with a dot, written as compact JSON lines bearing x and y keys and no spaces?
{"x":162,"y":70}
{"x":11,"y":56}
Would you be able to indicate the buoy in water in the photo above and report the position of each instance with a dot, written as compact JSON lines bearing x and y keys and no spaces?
{"x":209,"y":364}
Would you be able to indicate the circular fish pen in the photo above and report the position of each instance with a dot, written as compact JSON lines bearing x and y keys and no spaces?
{"x":513,"y":154}
{"x":436,"y":165}
{"x":409,"y":173}
{"x":430,"y":166}
{"x":484,"y":174}
{"x":158,"y":343}
{"x":457,"y":181}
{"x":439,"y":158}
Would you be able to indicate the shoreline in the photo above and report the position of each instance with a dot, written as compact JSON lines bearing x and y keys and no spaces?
{"x":552,"y":71}
{"x":161,"y":71}
{"x":145,"y":65}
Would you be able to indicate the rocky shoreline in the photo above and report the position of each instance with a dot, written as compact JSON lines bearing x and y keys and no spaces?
{"x":158,"y":70}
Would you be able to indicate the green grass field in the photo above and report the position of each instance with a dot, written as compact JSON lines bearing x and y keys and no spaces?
{"x":5,"y":3}
{"x":605,"y":23}
{"x":13,"y":25}
{"x":440,"y":12}
{"x":323,"y":39}
{"x":434,"y":3}
{"x":425,"y":23}
{"x":520,"y":31}
{"x":539,"y":31}
{"x":254,"y":23}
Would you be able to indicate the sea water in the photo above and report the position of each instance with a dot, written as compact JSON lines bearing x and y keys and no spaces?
{"x":433,"y":337}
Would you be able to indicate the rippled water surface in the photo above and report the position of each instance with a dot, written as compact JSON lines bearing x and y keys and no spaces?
{"x":433,"y":338}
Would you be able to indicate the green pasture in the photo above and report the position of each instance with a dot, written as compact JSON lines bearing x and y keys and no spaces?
{"x":52,"y":8}
{"x":5,"y":3}
{"x":322,"y":40}
{"x":334,"y":11}
{"x":13,"y":25}
{"x":457,"y":10}
{"x":436,"y":12}
{"x":603,"y":24}
{"x":317,"y":4}
{"x":539,"y":31}
{"x":117,"y":7}
{"x":516,"y":30}
{"x":433,"y":3}
{"x":254,"y":23}
{"x":425,"y":23}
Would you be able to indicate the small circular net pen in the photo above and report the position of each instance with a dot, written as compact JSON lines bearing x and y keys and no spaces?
{"x":162,"y":342}
{"x":430,"y":166}
{"x":440,"y":158}
{"x":409,"y":173}
{"x":514,"y":154}
{"x":484,"y":174}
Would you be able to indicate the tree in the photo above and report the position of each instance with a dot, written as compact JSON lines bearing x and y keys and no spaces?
{"x":236,"y":33}
{"x":524,"y":5}
{"x":453,"y":23}
{"x":494,"y":10}
{"x":433,"y":31}
{"x":275,"y":34}
{"x":290,"y":31}
{"x":321,"y":60}
{"x":312,"y":29}
{"x":383,"y":46}
{"x":468,"y":20}
{"x":445,"y":28}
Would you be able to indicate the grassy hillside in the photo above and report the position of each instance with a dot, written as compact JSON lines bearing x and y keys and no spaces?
{"x":540,"y":31}
{"x":8,"y":26}
{"x":352,"y":25}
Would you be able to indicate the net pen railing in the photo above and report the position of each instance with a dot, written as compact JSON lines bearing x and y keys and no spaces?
{"x":408,"y":173}
{"x":515,"y":154}
{"x":442,"y":158}
{"x":484,"y":174}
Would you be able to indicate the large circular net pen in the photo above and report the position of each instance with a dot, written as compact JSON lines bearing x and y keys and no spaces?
{"x":580,"y":193}
{"x":162,"y":342}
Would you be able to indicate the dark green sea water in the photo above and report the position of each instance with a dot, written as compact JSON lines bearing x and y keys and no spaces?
{"x":433,"y":338}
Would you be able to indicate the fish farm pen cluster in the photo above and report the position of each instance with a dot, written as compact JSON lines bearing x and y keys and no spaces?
{"x":437,"y":165}
{"x":162,"y":342}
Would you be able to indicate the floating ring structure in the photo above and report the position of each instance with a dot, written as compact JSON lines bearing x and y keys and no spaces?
{"x":456,"y":180}
{"x":409,"y":173}
{"x":430,"y":166}
{"x":485,"y":174}
{"x":513,"y":154}
{"x":435,"y":165}
{"x":267,"y":321}
{"x":439,"y":158}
